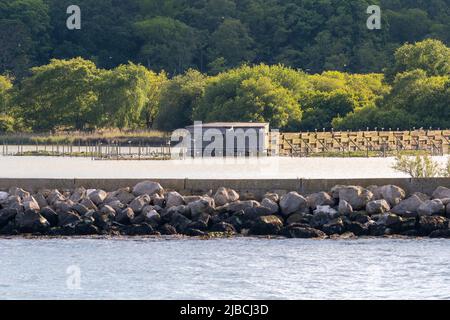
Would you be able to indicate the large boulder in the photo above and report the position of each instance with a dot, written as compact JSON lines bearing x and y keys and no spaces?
{"x":180,"y":222}
{"x":271,"y":205}
{"x":125,"y":216}
{"x":431,"y":207}
{"x":7,"y":215}
{"x":392,"y":194}
{"x":223,"y":227}
{"x":441,"y":193}
{"x":174,"y":199}
{"x":292,"y":203}
{"x":238,"y":206}
{"x":78,"y":194}
{"x":204,"y":205}
{"x":41,"y":200}
{"x":267,"y":225}
{"x":14,"y":191}
{"x":302,"y":232}
{"x":427,"y":224}
{"x":388,"y":219}
{"x":50,"y":215}
{"x":256,"y":212}
{"x":319,"y":199}
{"x":335,"y":226}
{"x":67,"y":218}
{"x":148,"y":187}
{"x":225,"y":195}
{"x":357,"y":197}
{"x":139,"y":203}
{"x":326,"y":210}
{"x":55,"y":196}
{"x":97,"y":196}
{"x":377,"y":207}
{"x":3,"y":196}
{"x":29,"y":203}
{"x":410,"y":205}
{"x":357,"y":228}
{"x":124,"y":195}
{"x":139,"y":230}
{"x":441,"y":233}
{"x":31,"y":221}
{"x":88,"y":204}
{"x":344,"y":208}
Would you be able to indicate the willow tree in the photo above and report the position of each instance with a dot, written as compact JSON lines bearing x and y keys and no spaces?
{"x":129,"y":97}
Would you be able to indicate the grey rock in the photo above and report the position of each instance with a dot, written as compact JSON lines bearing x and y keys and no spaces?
{"x":204,"y":205}
{"x":223,"y":227}
{"x":78,"y":194}
{"x":441,"y":193}
{"x":225,"y":195}
{"x":431,"y":207}
{"x":67,"y":218}
{"x":124,"y":195}
{"x":427,"y":224}
{"x":31,"y":221}
{"x":411,"y":204}
{"x":319,"y":199}
{"x":303,"y":232}
{"x":139,"y":203}
{"x":88,"y":204}
{"x":392,"y":194}
{"x":377,"y":207}
{"x":125,"y":216}
{"x":344,"y":208}
{"x":55,"y":196}
{"x":272,"y":196}
{"x":148,"y":187}
{"x":29,"y":203}
{"x":50,"y":215}
{"x":271,"y":205}
{"x":238,"y":206}
{"x":357,"y":197}
{"x":174,"y":199}
{"x":7,"y":215}
{"x":292,"y":203}
{"x":267,"y":225}
{"x":335,"y":226}
{"x":97,"y":196}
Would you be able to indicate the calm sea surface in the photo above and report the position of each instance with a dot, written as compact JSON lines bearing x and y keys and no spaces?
{"x":224,"y":269}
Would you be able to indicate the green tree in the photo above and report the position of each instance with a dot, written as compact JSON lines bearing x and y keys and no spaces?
{"x":178,"y":99}
{"x":5,"y":91}
{"x":129,"y":97}
{"x":231,"y":42}
{"x":430,"y":55}
{"x":61,"y":94}
{"x":260,"y":93}
{"x":167,"y":44}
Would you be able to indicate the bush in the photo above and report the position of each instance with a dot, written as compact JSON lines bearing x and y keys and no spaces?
{"x":6,"y":124}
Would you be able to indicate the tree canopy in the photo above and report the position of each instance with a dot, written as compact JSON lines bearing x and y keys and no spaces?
{"x":215,"y":35}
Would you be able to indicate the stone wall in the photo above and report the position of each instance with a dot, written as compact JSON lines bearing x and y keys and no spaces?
{"x":256,"y":187}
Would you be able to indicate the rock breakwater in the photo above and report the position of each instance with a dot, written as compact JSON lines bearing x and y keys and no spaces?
{"x":147,"y":209}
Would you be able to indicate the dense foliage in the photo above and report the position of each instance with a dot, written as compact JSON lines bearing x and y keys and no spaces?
{"x":298,"y":64}
{"x":215,"y":35}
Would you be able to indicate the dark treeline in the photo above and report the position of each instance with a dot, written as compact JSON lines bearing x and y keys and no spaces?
{"x":300,"y":65}
{"x":215,"y":35}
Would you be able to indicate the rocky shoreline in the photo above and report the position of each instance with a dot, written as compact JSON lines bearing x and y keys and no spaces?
{"x":148,"y":210}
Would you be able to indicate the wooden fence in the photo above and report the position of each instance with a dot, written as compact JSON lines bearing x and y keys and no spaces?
{"x":435,"y":142}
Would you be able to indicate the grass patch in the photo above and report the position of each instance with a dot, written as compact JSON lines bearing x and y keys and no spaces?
{"x":151,"y":137}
